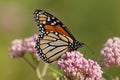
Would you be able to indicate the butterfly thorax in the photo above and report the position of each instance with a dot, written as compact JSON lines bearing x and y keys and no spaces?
{"x":75,"y":45}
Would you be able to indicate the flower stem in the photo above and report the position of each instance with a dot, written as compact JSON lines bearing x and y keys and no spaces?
{"x":35,"y":68}
{"x":29,"y":62}
{"x":44,"y":69}
{"x":85,"y":77}
{"x":38,"y":73}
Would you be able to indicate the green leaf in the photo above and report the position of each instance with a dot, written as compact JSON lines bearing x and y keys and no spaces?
{"x":107,"y":76}
{"x":55,"y":70}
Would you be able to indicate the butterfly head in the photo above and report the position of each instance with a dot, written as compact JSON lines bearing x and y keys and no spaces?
{"x":75,"y":45}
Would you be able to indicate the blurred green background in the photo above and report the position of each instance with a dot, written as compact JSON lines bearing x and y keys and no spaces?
{"x":90,"y":21}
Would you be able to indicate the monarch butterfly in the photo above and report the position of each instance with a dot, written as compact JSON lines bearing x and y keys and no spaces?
{"x":54,"y":39}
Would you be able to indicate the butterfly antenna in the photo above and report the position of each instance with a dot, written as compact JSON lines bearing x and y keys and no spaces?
{"x":89,"y":48}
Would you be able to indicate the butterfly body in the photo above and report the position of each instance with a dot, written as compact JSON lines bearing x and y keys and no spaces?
{"x":54,"y":39}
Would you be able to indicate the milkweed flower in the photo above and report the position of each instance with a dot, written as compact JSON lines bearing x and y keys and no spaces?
{"x":73,"y":64}
{"x":17,"y":49}
{"x":111,"y":52}
{"x":21,"y":46}
{"x":29,"y":44}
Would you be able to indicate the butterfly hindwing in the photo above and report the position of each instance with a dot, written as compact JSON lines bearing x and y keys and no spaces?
{"x":51,"y":45}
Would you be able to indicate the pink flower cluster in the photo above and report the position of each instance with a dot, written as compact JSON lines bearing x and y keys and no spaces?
{"x":111,"y":52}
{"x":17,"y":49}
{"x":20,"y":47}
{"x":75,"y":65}
{"x":29,"y":44}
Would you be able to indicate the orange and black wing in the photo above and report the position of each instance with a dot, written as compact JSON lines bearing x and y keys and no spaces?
{"x":54,"y":39}
{"x":47,"y":22}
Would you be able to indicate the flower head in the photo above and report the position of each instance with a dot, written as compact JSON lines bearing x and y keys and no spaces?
{"x":111,"y":52}
{"x":29,"y":44}
{"x":75,"y":65}
{"x":17,"y":49}
{"x":20,"y":47}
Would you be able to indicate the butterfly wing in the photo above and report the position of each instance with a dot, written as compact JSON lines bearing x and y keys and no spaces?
{"x":54,"y":39}
{"x":51,"y":45}
{"x":47,"y":22}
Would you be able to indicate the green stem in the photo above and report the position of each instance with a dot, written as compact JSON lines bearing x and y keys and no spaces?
{"x":38,"y":73}
{"x":35,"y":68}
{"x":29,"y":62}
{"x":44,"y":69}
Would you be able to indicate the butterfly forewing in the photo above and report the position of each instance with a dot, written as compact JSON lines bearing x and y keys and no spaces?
{"x":47,"y":22}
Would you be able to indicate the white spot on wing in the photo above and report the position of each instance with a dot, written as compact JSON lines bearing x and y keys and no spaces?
{"x":53,"y":17}
{"x":63,"y":25}
{"x":56,"y":33}
{"x":36,"y":17}
{"x":37,"y":14}
{"x":52,"y":24}
{"x":48,"y":18}
{"x":58,"y":21}
{"x":44,"y":22}
{"x":40,"y":25}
